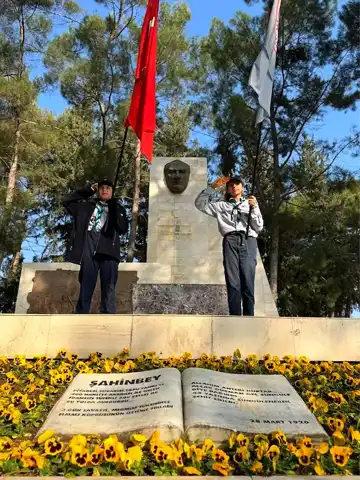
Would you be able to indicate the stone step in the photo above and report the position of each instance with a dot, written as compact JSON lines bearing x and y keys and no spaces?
{"x":335,"y":339}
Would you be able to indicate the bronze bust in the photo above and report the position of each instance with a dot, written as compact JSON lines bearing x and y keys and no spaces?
{"x":177,"y":174}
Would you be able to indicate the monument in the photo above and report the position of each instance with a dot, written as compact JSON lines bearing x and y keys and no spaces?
{"x":197,"y":404}
{"x":184,"y":272}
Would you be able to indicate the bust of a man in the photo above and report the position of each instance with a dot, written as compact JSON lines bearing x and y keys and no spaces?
{"x":177,"y":174}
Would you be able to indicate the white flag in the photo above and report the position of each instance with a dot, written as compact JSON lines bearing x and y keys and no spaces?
{"x":262,"y":72}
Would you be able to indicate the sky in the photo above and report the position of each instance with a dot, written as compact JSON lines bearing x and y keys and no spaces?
{"x":335,"y":126}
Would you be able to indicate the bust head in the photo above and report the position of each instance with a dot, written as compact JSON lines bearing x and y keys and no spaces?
{"x":177,"y":174}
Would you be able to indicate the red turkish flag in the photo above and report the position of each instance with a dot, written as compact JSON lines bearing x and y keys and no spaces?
{"x":141,"y":117}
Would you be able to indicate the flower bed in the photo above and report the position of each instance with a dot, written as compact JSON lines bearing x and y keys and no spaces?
{"x":29,"y":389}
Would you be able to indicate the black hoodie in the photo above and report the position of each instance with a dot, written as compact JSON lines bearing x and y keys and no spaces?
{"x":80,"y":206}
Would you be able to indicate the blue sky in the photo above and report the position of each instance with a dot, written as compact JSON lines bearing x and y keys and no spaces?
{"x":334,"y":126}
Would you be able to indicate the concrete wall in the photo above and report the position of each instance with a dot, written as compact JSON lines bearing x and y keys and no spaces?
{"x":317,"y":338}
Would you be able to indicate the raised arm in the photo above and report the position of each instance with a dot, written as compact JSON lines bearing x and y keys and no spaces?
{"x":204,"y":203}
{"x":71,"y":203}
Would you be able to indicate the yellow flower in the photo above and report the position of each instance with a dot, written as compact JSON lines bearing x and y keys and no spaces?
{"x":5,"y":387}
{"x":322,"y":449}
{"x":304,"y":442}
{"x":76,"y":441}
{"x":19,"y":360}
{"x":18,"y":397}
{"x":108,"y":365}
{"x":5,"y":444}
{"x":232,"y":440}
{"x":135,"y":453}
{"x":163,"y":454}
{"x":261,"y":450}
{"x":32,"y":458}
{"x":11,"y":378}
{"x":291,"y":447}
{"x":208,"y":445}
{"x":321,"y":406}
{"x":113,"y":449}
{"x":53,"y":446}
{"x":191,"y":471}
{"x":354,"y":435}
{"x":304,"y":455}
{"x":13,"y":414}
{"x":138,"y":439}
{"x":80,"y":456}
{"x":279,"y":436}
{"x":241,"y":455}
{"x":260,"y":439}
{"x":97,"y":455}
{"x":337,"y":397}
{"x":72,"y":357}
{"x":242,"y":440}
{"x":319,"y":469}
{"x":252,"y":360}
{"x":256,"y":466}
{"x":30,"y":404}
{"x":273,"y":454}
{"x":340,"y":455}
{"x":270,"y":365}
{"x":62,"y":353}
{"x":304,"y":361}
{"x":223,"y":469}
{"x":3,"y":457}
{"x":177,"y":458}
{"x":45,"y":436}
{"x":219,"y":456}
{"x":338,"y":437}
{"x":331,"y":423}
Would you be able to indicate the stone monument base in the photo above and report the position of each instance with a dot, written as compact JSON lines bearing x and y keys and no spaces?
{"x":180,"y":299}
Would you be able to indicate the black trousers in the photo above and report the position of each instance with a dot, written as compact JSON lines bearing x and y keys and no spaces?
{"x":90,"y":266}
{"x":240,"y":264}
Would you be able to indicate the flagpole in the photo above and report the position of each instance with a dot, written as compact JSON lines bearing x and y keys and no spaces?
{"x":254,"y":175}
{"x":120,"y":157}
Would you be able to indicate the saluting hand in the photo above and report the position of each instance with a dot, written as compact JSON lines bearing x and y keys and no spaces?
{"x":94,"y":187}
{"x":252,"y":201}
{"x":219,"y":182}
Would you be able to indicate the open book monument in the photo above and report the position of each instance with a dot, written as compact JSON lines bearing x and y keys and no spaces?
{"x":196,"y":404}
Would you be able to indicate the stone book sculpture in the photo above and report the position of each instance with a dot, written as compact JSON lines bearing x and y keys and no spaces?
{"x":195,"y":404}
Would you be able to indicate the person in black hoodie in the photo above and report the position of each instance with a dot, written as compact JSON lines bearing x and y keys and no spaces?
{"x":95,"y":243}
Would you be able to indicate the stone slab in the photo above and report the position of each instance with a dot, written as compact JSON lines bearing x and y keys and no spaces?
{"x":168,"y":335}
{"x":250,"y":404}
{"x":327,"y":340}
{"x":84,"y":334}
{"x":171,"y":335}
{"x":23,"y":334}
{"x":123,"y":403}
{"x":254,"y":335}
{"x":180,"y":299}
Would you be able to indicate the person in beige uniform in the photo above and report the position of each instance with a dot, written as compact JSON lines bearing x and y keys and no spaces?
{"x":239,"y":252}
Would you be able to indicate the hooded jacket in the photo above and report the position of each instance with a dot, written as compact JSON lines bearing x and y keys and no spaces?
{"x":81,"y":207}
{"x":231,"y":216}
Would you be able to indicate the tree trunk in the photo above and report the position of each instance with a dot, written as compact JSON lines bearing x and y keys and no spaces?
{"x":15,"y":263}
{"x":14,"y":164}
{"x":275,"y":230}
{"x":10,"y":191}
{"x":135,"y":206}
{"x":274,"y":256}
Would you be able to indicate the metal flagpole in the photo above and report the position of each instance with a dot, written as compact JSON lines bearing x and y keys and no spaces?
{"x":254,"y":176}
{"x":120,"y":157}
